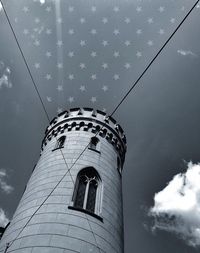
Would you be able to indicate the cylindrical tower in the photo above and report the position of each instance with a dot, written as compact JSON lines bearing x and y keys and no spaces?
{"x":84,"y":212}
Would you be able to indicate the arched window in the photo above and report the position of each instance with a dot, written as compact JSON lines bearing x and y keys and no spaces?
{"x":60,"y":142}
{"x":87,"y":194}
{"x":93,"y":143}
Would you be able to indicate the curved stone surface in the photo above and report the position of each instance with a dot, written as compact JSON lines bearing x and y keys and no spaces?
{"x":57,"y":227}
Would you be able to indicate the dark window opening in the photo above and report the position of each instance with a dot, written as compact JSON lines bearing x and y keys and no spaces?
{"x":60,"y":142}
{"x":81,"y":192}
{"x":3,"y":229}
{"x":87,"y":185}
{"x":93,"y":142}
{"x":91,"y":196}
{"x":119,"y":166}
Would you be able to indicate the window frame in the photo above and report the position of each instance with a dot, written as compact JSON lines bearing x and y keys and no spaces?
{"x":93,"y":175}
{"x":94,"y":144}
{"x":60,"y":143}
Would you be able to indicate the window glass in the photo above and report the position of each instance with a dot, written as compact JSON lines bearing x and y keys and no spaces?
{"x":87,"y":189}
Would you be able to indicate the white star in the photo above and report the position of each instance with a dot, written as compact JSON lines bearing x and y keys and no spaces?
{"x":150,"y":20}
{"x":93,"y":76}
{"x":25,"y":31}
{"x":183,"y":8}
{"x":105,"y":43}
{"x":93,"y":31}
{"x":116,"y":9}
{"x":49,"y":99}
{"x":82,"y":20}
{"x":127,"y":43}
{"x":48,"y":54}
{"x":71,"y":76}
{"x":82,"y":43}
{"x":139,"y":9}
{"x":59,"y":43}
{"x":71,"y":54}
{"x":93,"y":8}
{"x":48,"y":9}
{"x":93,"y":54}
{"x":26,"y":9}
{"x":127,"y":65}
{"x":150,"y":43}
{"x":172,"y":20}
{"x":127,"y":20}
{"x":105,"y":20}
{"x":37,"y":65}
{"x":82,"y":88}
{"x":139,"y":31}
{"x":161,"y":8}
{"x":37,"y":20}
{"x":116,"y":54}
{"x":93,"y":99}
{"x":60,"y":88}
{"x":104,"y":109}
{"x":71,"y":99}
{"x":82,"y":65}
{"x":48,"y":31}
{"x":59,"y":20}
{"x":138,"y":54}
{"x":161,"y":31}
{"x":105,"y":65}
{"x":59,"y":65}
{"x":71,"y":31}
{"x":198,"y":6}
{"x":105,"y":88}
{"x":48,"y":76}
{"x":36,"y":43}
{"x":59,"y":110}
{"x":71,"y":8}
{"x":116,"y":32}
{"x":116,"y":77}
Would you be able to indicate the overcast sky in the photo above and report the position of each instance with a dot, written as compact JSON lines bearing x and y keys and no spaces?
{"x":88,"y":53}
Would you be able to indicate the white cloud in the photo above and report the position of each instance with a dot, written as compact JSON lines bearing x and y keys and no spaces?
{"x":3,"y":219}
{"x":1,"y":7}
{"x":177,"y":207}
{"x":4,"y":186}
{"x":186,"y":53}
{"x":5,"y":73}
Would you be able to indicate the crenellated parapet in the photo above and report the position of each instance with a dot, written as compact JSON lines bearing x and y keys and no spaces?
{"x":88,"y":119}
{"x":71,"y":206}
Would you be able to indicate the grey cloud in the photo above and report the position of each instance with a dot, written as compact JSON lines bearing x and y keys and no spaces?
{"x":177,"y":207}
{"x":3,"y":218}
{"x":4,"y":186}
{"x":5,"y":73}
{"x":186,"y":53}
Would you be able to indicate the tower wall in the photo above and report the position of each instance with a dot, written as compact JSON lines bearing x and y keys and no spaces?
{"x":58,"y":226}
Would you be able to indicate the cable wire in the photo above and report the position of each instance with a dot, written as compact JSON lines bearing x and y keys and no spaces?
{"x":48,"y":118}
{"x":25,"y":61}
{"x":155,"y":57}
{"x":115,"y":109}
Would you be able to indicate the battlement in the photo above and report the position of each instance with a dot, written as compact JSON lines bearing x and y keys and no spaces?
{"x":80,"y":191}
{"x":88,"y":119}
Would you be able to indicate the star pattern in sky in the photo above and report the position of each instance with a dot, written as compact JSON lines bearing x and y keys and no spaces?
{"x":88,"y":54}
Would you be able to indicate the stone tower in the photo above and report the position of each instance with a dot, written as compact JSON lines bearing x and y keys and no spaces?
{"x":84,"y":212}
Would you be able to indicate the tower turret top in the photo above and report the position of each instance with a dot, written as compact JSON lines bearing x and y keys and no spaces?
{"x":88,"y":119}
